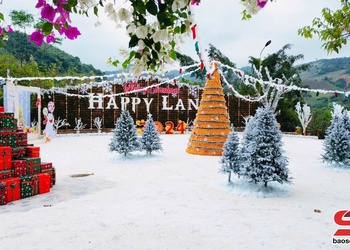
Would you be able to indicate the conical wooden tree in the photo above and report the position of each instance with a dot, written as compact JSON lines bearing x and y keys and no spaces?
{"x":212,"y":124}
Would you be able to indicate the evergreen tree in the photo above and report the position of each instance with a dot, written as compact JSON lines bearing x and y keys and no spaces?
{"x":230,"y":160}
{"x":150,"y":139}
{"x":248,"y":146}
{"x":124,"y":139}
{"x":267,"y":160}
{"x":337,"y":141}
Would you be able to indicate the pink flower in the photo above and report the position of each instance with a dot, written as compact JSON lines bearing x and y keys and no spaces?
{"x":72,"y":32}
{"x":1,"y":31}
{"x":48,"y":12}
{"x":195,"y":2}
{"x":50,"y":38}
{"x":40,"y":4}
{"x":37,"y":37}
{"x":262,"y":3}
{"x":9,"y":29}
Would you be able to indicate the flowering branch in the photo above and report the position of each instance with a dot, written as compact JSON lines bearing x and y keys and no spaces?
{"x":98,"y":123}
{"x":79,"y":125}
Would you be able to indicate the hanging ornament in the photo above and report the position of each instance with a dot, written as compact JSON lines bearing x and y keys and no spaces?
{"x":317,"y":93}
{"x":175,"y":81}
{"x":37,"y":104}
{"x":201,"y":66}
{"x":35,"y":82}
{"x":55,"y":81}
{"x":336,"y":94}
{"x":180,"y":70}
{"x":193,"y":29}
{"x":196,"y":46}
{"x":83,"y":89}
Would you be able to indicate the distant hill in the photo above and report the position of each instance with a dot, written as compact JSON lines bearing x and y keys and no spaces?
{"x":46,"y":55}
{"x":330,"y":74}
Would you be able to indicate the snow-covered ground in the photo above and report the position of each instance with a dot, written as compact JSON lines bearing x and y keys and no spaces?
{"x":174,"y":200}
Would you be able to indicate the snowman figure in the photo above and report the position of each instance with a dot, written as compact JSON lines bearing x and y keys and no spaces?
{"x":49,"y":120}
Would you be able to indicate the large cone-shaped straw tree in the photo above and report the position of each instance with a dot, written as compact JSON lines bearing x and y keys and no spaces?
{"x":212,"y":124}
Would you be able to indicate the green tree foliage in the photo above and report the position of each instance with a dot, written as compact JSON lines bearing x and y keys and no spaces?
{"x":333,"y":28}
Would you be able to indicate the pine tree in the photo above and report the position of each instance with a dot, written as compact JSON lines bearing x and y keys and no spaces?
{"x":248,"y":146}
{"x":230,"y":160}
{"x":150,"y":139}
{"x":337,"y":141}
{"x":125,"y":139}
{"x":267,"y":160}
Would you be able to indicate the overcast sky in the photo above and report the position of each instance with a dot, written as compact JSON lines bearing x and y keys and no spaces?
{"x":218,"y":23}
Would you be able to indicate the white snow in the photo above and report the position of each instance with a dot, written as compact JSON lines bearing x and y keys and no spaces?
{"x":174,"y":200}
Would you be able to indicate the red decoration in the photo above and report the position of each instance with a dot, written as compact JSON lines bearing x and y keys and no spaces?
{"x":180,"y":127}
{"x":169,"y":127}
{"x":335,"y":94}
{"x":180,"y":70}
{"x":201,"y":66}
{"x":174,"y":80}
{"x":193,"y":29}
{"x":37,"y":102}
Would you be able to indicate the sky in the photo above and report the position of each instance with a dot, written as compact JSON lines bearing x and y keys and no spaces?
{"x":174,"y":200}
{"x":218,"y":23}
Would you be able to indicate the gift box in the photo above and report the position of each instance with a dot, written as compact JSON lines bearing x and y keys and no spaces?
{"x":33,"y":165}
{"x":18,"y":152}
{"x":32,"y":151}
{"x":8,"y":139}
{"x":46,"y":165}
{"x":21,"y":139}
{"x":6,"y":174}
{"x":5,"y":157}
{"x":19,"y":167}
{"x":13,"y":188}
{"x":52,"y":172}
{"x":3,"y":193}
{"x":8,"y":123}
{"x":29,"y":186}
{"x":7,"y":115}
{"x":44,"y":183}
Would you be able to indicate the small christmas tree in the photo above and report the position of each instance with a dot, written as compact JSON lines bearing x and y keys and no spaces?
{"x":337,"y":140}
{"x":248,"y":146}
{"x":267,"y":160}
{"x":230,"y":160}
{"x":124,"y":139}
{"x":150,"y":139}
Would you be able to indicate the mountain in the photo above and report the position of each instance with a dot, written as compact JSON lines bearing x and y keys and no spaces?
{"x":46,"y":56}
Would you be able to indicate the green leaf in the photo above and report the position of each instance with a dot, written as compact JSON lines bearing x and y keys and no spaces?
{"x":151,"y":7}
{"x":133,"y":41}
{"x":172,"y":54}
{"x":47,"y":28}
{"x":177,"y":30}
{"x":96,"y":10}
{"x":157,"y":46}
{"x":2,"y":16}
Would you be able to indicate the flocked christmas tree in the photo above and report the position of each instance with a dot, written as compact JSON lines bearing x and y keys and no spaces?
{"x":248,"y":147}
{"x":230,"y":159}
{"x":337,"y":139}
{"x":212,"y":124}
{"x":267,"y":160}
{"x":125,"y":139}
{"x":150,"y":139}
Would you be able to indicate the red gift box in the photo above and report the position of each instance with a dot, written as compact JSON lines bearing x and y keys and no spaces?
{"x":5,"y":157}
{"x":52,"y":172}
{"x":3,"y":193}
{"x":13,"y":188}
{"x":20,"y":167}
{"x":44,"y":183}
{"x":46,"y":165}
{"x":21,"y":139}
{"x":32,"y":151}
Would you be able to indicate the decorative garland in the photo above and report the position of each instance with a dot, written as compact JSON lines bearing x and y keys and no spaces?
{"x":123,"y":78}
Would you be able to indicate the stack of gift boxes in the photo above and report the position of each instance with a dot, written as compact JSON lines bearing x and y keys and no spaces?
{"x":22,"y":174}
